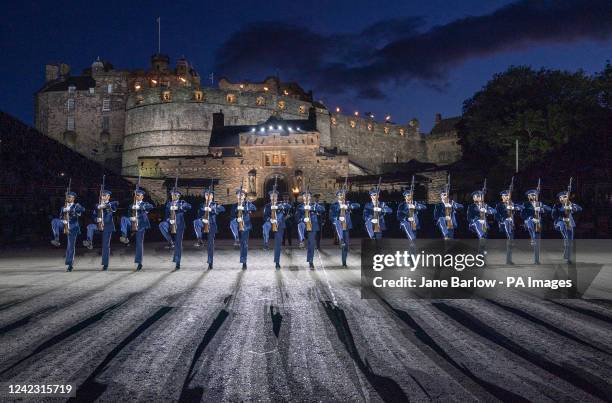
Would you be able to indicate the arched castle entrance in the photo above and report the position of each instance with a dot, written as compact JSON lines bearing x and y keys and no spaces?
{"x":281,"y":185}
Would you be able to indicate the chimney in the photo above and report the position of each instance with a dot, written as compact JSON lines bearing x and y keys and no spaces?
{"x":438,"y":118}
{"x":51,"y":72}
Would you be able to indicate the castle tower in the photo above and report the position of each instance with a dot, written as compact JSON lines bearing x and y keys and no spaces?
{"x":160,"y":62}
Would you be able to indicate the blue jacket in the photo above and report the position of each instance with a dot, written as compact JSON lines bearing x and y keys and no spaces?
{"x":529,"y":211}
{"x":558,"y":213}
{"x":403,"y":212}
{"x":368,"y":213}
{"x":246,"y":214}
{"x":183,"y":207}
{"x":315,"y":209}
{"x":501,"y":212}
{"x":109,"y":224}
{"x":334,"y":212}
{"x":73,"y":221}
{"x":143,"y":217}
{"x":440,"y":212}
{"x":473,"y":213}
{"x":212,"y":214}
{"x":281,"y":211}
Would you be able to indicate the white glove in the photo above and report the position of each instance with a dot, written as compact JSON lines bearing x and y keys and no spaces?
{"x":204,"y":220}
{"x":344,"y":206}
{"x":239,"y":219}
{"x":173,"y":207}
{"x":374,"y":220}
{"x":535,"y":220}
{"x":377,"y":209}
{"x":103,"y":205}
{"x":483,"y":210}
{"x":341,"y":218}
{"x":538,"y":208}
{"x":99,"y":220}
{"x":411,"y":205}
{"x":240,"y":208}
{"x":567,"y":207}
{"x":172,"y":222}
{"x":132,"y":218}
{"x":410,"y":218}
{"x":481,"y":221}
{"x":274,"y":207}
{"x":66,"y":209}
{"x":306,"y":219}
{"x":207,"y":209}
{"x":135,"y":207}
{"x":273,"y":221}
{"x":307,"y":207}
{"x":65,"y":222}
{"x":447,"y":205}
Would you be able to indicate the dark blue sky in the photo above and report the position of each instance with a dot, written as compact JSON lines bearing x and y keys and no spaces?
{"x":406,"y":58}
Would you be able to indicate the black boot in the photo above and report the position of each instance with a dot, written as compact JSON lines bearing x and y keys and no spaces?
{"x":198,"y":243}
{"x":177,"y":267}
{"x":311,"y":265}
{"x":210,"y":267}
{"x":277,"y":266}
{"x":244,"y":266}
{"x":69,"y":268}
{"x":55,"y":242}
{"x":170,"y":245}
{"x":344,"y":264}
{"x":104,"y":268}
{"x":139,"y":267}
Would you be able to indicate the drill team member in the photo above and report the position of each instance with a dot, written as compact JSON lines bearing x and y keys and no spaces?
{"x":563,"y":217}
{"x":175,"y":224}
{"x":68,"y":222}
{"x":340,"y":217}
{"x":104,"y":224}
{"x":504,"y":215}
{"x":308,"y":224}
{"x":138,"y":221}
{"x":533,"y":215}
{"x":274,"y":219}
{"x":445,"y":215}
{"x":374,"y":215}
{"x":240,"y":224}
{"x":207,"y":221}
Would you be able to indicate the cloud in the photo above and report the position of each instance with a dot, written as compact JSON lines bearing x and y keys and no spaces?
{"x":398,"y":50}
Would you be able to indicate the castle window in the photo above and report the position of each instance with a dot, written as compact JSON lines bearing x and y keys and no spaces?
{"x":370,"y":127}
{"x":198,"y":96}
{"x":402,"y":131}
{"x":139,"y":100}
{"x":353,"y":124}
{"x":231,"y":98}
{"x":275,"y":159}
{"x":70,"y":105}
{"x":117,"y":148}
{"x":137,"y":86}
{"x":106,"y":105}
{"x":386,"y":129}
{"x":166,"y":96}
{"x":302,"y":109}
{"x":70,"y":123}
{"x":71,"y":89}
{"x":260,"y":101}
{"x":109,"y":88}
{"x":334,"y":121}
{"x":281,"y":104}
{"x":92,"y":90}
{"x":105,"y":123}
{"x":153,"y":82}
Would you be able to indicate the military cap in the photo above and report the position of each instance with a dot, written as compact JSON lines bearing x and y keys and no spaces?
{"x":562,"y":194}
{"x":139,"y":192}
{"x":477,"y":193}
{"x":531,"y":192}
{"x":71,"y":194}
{"x":107,"y":192}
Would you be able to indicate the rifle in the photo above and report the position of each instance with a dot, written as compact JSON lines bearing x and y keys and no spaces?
{"x":307,"y":212}
{"x":67,"y":213}
{"x":483,"y":214}
{"x":536,"y":213}
{"x":510,"y":211}
{"x":448,"y":210}
{"x":134,"y":211}
{"x":376,"y":226}
{"x":568,"y":212}
{"x":173,"y":227}
{"x":273,"y":211}
{"x":207,"y":212}
{"x":101,"y":210}
{"x":343,"y":210}
{"x":240,"y":213}
{"x":411,"y":210}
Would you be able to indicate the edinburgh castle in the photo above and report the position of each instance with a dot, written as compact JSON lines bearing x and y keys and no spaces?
{"x":163,"y":122}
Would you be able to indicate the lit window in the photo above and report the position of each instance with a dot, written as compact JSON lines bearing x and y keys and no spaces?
{"x":92,"y":90}
{"x":334,"y":121}
{"x":281,"y":104}
{"x":266,"y":89}
{"x":70,"y":105}
{"x":71,"y":89}
{"x":283,"y":161}
{"x":286,"y":92}
{"x":353,"y":124}
{"x":402,"y":131}
{"x":386,"y":129}
{"x":105,"y":123}
{"x":166,"y":96}
{"x":109,"y":88}
{"x":137,"y":86}
{"x":267,"y":160}
{"x":106,"y":105}
{"x":198,"y":96}
{"x":302,"y":109}
{"x":70,"y":123}
{"x":139,"y":100}
{"x":231,"y":98}
{"x":370,"y":127}
{"x":153,"y":82}
{"x":260,"y":101}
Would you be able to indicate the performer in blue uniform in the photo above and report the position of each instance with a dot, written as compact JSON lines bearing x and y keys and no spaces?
{"x":104,"y":224}
{"x":445,"y":215}
{"x":408,"y":215}
{"x":175,"y":224}
{"x":138,"y":221}
{"x":340,"y":217}
{"x":563,"y":217}
{"x":308,"y":224}
{"x":533,"y":216}
{"x":504,"y":216}
{"x":374,"y":215}
{"x":477,"y":218}
{"x":207,"y":222}
{"x":240,"y":224}
{"x":68,"y":223}
{"x":274,"y":220}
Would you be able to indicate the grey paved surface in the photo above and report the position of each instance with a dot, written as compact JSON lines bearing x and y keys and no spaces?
{"x":293,"y":334}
